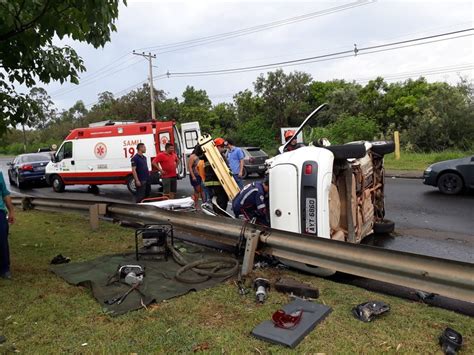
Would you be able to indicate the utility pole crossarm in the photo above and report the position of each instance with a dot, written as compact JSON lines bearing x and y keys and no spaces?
{"x":149,"y":57}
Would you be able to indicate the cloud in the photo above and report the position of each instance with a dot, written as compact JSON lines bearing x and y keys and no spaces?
{"x":151,"y":23}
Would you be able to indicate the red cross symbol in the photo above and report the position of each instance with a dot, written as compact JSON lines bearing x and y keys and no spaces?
{"x":100,"y":150}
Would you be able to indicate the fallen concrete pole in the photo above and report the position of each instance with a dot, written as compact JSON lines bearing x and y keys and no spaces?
{"x":449,"y":278}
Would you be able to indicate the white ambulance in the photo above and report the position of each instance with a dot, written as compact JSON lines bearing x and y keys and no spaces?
{"x":101,"y":155}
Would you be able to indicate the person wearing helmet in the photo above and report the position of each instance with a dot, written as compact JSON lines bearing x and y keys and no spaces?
{"x":252,"y":202}
{"x":290,"y":135}
{"x":212,"y":182}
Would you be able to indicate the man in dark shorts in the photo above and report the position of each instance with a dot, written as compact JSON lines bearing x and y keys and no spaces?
{"x":141,"y":174}
{"x":166,"y":162}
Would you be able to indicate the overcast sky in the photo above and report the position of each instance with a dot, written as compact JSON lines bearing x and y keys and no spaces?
{"x":153,"y":23}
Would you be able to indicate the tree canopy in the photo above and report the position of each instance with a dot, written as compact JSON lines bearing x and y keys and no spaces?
{"x":27,"y":52}
{"x":430,"y":116}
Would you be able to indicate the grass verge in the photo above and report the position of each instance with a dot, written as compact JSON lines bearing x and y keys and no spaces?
{"x":40,"y":313}
{"x":420,"y":161}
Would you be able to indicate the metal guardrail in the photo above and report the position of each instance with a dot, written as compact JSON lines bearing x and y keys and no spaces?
{"x":449,"y":278}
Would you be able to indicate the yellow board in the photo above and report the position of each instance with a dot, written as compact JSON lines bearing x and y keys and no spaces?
{"x":219,"y":166}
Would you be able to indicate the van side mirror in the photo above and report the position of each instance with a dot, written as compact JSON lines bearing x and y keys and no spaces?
{"x":10,"y":163}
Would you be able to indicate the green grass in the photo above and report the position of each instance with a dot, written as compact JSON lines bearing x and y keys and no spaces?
{"x":41,"y":313}
{"x":420,"y":161}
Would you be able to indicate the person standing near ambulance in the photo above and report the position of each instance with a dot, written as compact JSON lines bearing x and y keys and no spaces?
{"x":5,"y":205}
{"x":141,"y":174}
{"x":166,"y":162}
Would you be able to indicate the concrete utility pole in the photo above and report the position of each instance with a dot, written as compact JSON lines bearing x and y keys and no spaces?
{"x":149,"y":57}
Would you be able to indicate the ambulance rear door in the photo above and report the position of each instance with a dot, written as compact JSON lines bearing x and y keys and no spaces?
{"x":190,"y":133}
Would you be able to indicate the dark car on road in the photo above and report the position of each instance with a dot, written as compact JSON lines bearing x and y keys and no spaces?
{"x":451,"y":176}
{"x":254,"y":161}
{"x":28,"y":168}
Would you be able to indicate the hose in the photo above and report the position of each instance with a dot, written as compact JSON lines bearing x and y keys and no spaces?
{"x":213,"y":267}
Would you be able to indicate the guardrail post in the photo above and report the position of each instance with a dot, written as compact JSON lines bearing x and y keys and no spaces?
{"x":26,"y":204}
{"x":250,"y":248}
{"x":99,"y":209}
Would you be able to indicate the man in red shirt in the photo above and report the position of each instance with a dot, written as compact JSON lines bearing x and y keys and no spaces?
{"x":166,"y":163}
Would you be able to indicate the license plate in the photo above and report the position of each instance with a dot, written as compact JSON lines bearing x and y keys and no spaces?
{"x":310,"y":215}
{"x":261,"y":167}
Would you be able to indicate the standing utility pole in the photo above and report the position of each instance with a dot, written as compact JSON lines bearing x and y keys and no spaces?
{"x":149,"y":57}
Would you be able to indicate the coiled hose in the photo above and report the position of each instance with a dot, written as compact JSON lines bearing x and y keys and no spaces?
{"x":219,"y":266}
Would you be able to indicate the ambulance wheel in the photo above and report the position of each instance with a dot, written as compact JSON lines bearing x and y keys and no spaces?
{"x":57,"y":183}
{"x":131,"y":185}
{"x":93,"y":189}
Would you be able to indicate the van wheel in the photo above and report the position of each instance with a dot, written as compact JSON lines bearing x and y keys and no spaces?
{"x":383,"y":147}
{"x":57,"y":183}
{"x":384,"y":226}
{"x":93,"y":189}
{"x":245,"y":173}
{"x":131,"y":185}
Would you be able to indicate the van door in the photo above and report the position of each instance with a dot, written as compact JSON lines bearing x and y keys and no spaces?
{"x":65,"y":160}
{"x":179,"y":150}
{"x":190,"y":133}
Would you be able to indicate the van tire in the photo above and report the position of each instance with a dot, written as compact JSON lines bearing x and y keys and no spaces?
{"x":245,"y":173}
{"x":131,"y":185}
{"x":348,"y":151}
{"x":57,"y":183}
{"x":385,"y":226}
{"x":383,"y":147}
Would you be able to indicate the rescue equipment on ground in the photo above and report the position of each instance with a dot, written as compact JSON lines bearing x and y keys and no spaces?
{"x":261,"y":287}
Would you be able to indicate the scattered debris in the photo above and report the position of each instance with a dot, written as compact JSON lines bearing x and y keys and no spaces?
{"x":309,"y":314}
{"x":450,"y":341}
{"x":60,"y":259}
{"x":84,"y":344}
{"x":425,"y":296}
{"x":287,"y":285}
{"x":367,"y":311}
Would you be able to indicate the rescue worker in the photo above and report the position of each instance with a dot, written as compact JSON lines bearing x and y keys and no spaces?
{"x":5,"y":205}
{"x":290,"y":134}
{"x":212,"y":182}
{"x":252,"y":202}
{"x":140,"y":173}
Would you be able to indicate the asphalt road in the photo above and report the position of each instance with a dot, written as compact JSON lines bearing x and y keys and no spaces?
{"x":427,"y":222}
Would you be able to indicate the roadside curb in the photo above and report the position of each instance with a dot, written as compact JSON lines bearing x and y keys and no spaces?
{"x":404,"y":174}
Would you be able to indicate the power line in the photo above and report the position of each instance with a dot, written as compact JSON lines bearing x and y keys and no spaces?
{"x":331,"y":56}
{"x":91,"y":81}
{"x":171,"y":47}
{"x":121,"y":91}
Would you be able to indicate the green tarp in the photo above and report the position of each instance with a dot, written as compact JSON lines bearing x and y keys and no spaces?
{"x":159,"y":283}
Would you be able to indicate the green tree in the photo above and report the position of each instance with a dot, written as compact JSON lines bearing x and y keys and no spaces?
{"x":27,"y":52}
{"x":196,"y":106}
{"x":285,"y":96}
